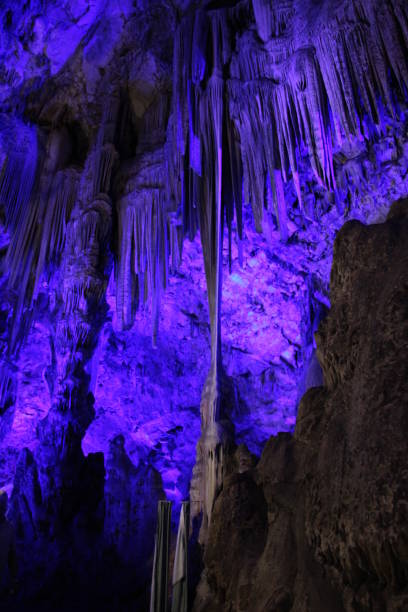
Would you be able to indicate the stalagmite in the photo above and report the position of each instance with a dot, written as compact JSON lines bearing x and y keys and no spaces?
{"x":180,"y":569}
{"x":160,"y":577}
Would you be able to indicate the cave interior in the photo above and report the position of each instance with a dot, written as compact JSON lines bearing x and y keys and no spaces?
{"x":203,"y":299}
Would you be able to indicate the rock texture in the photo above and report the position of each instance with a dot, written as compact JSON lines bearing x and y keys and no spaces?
{"x":321,"y":522}
{"x":126,"y":127}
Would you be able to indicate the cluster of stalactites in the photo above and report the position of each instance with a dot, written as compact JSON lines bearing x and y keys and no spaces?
{"x":19,"y":155}
{"x":149,"y":232}
{"x":282,"y":94}
{"x":203,"y":137}
{"x":89,"y":229}
{"x":149,"y":238}
{"x":43,"y":233}
{"x":38,"y":190}
{"x":362,"y":62}
{"x":38,"y":195}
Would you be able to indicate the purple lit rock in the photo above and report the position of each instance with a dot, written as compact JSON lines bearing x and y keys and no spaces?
{"x":256,"y":129}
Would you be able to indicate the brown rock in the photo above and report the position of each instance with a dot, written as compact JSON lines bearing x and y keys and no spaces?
{"x":321,"y":523}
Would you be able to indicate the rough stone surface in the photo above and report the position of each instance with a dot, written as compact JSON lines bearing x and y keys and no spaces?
{"x":126,"y":128}
{"x":321,"y":522}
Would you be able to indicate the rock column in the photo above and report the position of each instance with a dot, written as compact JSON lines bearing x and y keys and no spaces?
{"x":65,"y":488}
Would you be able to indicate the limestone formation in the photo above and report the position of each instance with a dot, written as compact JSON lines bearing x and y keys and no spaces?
{"x":172,"y":178}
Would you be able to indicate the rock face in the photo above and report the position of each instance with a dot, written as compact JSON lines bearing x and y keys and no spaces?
{"x":125,"y":128}
{"x":321,"y":522}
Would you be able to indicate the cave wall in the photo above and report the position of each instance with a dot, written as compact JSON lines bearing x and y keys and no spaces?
{"x":173,"y":176}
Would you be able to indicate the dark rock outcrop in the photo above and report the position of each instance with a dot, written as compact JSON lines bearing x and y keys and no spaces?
{"x":321,"y":523}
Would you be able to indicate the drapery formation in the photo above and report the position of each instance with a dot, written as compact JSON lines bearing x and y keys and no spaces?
{"x":38,"y":207}
{"x":149,"y":233}
{"x":149,"y":243}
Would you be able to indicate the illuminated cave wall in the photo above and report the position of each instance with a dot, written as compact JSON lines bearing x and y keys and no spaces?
{"x":110,"y":115}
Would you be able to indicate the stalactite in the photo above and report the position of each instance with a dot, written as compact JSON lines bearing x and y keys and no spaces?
{"x":7,"y":387}
{"x":191,"y":121}
{"x":36,"y":218}
{"x":356,"y":60}
{"x":19,"y":169}
{"x":148,"y":236}
{"x":57,"y":214}
{"x":199,"y":46}
{"x":207,"y":153}
{"x":271,"y":21}
{"x":139,"y":231}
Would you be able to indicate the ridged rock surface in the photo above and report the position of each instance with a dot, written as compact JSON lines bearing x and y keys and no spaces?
{"x":321,"y":523}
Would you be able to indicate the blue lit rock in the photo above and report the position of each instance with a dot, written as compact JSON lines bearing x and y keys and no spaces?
{"x":124,"y":129}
